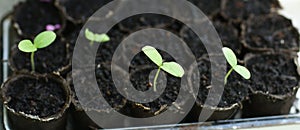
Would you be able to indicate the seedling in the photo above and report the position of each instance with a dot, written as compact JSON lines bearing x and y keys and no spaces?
{"x":232,"y":60}
{"x":42,"y":40}
{"x":172,"y":68}
{"x":94,"y":37}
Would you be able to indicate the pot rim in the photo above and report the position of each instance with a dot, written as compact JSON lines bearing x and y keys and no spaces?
{"x":58,"y":71}
{"x":17,"y":27}
{"x":58,"y":78}
{"x":265,"y":49}
{"x":77,"y":104}
{"x":274,"y":96}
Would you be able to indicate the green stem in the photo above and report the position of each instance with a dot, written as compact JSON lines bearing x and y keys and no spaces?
{"x":32,"y":62}
{"x":155,"y":78}
{"x":227,"y":75}
{"x":91,"y":43}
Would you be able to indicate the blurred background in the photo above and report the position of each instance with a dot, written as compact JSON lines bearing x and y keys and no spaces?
{"x":290,"y":9}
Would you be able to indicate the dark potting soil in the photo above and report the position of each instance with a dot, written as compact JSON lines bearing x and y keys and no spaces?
{"x":234,"y":91}
{"x":71,"y":33}
{"x":118,"y":33}
{"x":229,"y":35}
{"x":36,"y":96}
{"x":227,"y":32}
{"x":106,"y":50}
{"x":106,"y":86}
{"x":271,"y":31}
{"x":80,"y":10}
{"x":241,"y":9}
{"x":193,"y":42}
{"x":47,"y":60}
{"x":140,"y":80}
{"x":142,"y":21}
{"x":273,"y":74}
{"x":209,"y":7}
{"x":33,"y":16}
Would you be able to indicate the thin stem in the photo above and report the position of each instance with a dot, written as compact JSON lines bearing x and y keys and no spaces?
{"x":91,"y":43}
{"x":32,"y":62}
{"x":227,"y":75}
{"x":155,"y":78}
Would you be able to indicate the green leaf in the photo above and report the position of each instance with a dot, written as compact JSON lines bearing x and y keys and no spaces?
{"x":101,"y":38}
{"x":44,"y":39}
{"x":153,"y":54}
{"x":243,"y":71}
{"x":230,"y":56}
{"x":26,"y":46}
{"x":89,"y":35}
{"x":173,"y":68}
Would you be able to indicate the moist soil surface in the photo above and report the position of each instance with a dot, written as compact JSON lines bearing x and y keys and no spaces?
{"x":33,"y":16}
{"x":119,"y":32}
{"x":239,"y":10}
{"x":140,"y":81}
{"x":209,"y":7}
{"x":273,"y":74}
{"x":42,"y":97}
{"x":234,"y":91}
{"x":46,"y":60}
{"x":84,"y":11}
{"x":106,"y":86}
{"x":272,"y":31}
{"x":141,"y":21}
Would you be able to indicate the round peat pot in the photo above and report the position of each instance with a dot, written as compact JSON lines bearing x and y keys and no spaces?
{"x":47,"y":60}
{"x":262,"y":104}
{"x":36,"y":102}
{"x":141,"y":78}
{"x":78,"y":11}
{"x":271,"y":32}
{"x":34,"y":16}
{"x":219,"y":113}
{"x":274,"y":83}
{"x":235,"y":91}
{"x":109,"y":92}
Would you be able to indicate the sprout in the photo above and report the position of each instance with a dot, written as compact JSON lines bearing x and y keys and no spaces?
{"x":42,"y":40}
{"x":94,"y":37}
{"x":172,"y":68}
{"x":232,"y":60}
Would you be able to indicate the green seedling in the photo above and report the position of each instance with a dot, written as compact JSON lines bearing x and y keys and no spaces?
{"x":232,"y":60}
{"x":42,"y":40}
{"x":172,"y":68}
{"x":94,"y":37}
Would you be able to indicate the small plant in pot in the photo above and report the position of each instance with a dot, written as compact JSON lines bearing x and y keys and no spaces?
{"x":273,"y":85}
{"x":146,"y":74}
{"x":52,"y":59}
{"x":235,"y":89}
{"x":36,"y":101}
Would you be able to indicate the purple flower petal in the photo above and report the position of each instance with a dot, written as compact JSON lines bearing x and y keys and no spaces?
{"x":50,"y":27}
{"x":57,"y":26}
